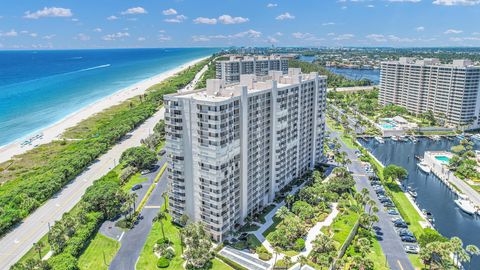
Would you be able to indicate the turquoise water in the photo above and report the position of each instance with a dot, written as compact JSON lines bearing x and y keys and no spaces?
{"x":39,"y":88}
{"x":443,"y":159}
{"x":387,"y":126}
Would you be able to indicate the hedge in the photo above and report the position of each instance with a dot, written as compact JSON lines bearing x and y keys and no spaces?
{"x":231,"y":263}
{"x":163,"y":262}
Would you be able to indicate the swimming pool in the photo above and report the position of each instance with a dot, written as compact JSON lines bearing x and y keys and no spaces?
{"x":387,"y":126}
{"x":443,"y":159}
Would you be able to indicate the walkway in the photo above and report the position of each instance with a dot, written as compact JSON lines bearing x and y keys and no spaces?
{"x":244,"y":259}
{"x":390,"y":242}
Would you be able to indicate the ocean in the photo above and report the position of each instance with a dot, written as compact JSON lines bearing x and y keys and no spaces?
{"x":39,"y":88}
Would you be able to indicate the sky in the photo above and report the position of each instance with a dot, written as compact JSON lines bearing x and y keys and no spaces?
{"x":75,"y":24}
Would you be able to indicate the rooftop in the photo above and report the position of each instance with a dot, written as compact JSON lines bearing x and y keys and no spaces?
{"x":240,"y":57}
{"x":459,"y":63}
{"x":217,"y":90}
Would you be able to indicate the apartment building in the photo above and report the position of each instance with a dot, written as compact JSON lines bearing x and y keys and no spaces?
{"x":230,"y":70}
{"x":450,"y":91}
{"x":230,"y":148}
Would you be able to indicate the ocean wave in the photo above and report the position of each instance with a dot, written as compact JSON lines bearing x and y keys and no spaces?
{"x":91,"y":68}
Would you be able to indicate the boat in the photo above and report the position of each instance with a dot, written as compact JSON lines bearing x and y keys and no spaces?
{"x":413,"y":139}
{"x":402,"y":138}
{"x":465,"y":205}
{"x":418,"y":157}
{"x":428,"y":215}
{"x":379,"y":139}
{"x":476,"y":137}
{"x":394,"y":138}
{"x":460,"y":136}
{"x":435,"y":137}
{"x":424,"y":167}
{"x":412,"y":192}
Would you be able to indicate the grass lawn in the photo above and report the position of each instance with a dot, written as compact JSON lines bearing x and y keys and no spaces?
{"x":32,"y":253}
{"x":343,"y":225}
{"x":331,"y":124}
{"x":272,"y":227}
{"x":219,"y":265}
{"x":134,"y":180}
{"x":148,"y":260}
{"x":265,"y":212}
{"x":415,"y":259}
{"x":249,"y":227}
{"x":377,"y":256}
{"x":93,"y":256}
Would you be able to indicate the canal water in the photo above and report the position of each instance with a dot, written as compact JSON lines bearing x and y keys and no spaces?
{"x":358,"y":74}
{"x":433,"y":195}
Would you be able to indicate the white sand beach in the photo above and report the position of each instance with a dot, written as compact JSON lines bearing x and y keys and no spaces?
{"x":54,"y":131}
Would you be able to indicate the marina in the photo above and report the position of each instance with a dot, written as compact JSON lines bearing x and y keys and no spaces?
{"x":435,"y":199}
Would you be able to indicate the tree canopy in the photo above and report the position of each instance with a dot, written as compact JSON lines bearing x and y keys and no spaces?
{"x":139,"y":157}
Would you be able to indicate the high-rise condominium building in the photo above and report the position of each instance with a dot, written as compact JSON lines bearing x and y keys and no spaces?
{"x":230,"y":70}
{"x":450,"y":91}
{"x":231,"y":148}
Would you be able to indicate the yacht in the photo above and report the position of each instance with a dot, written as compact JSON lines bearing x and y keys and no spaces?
{"x":413,"y":139}
{"x":379,"y":139}
{"x":435,"y":137}
{"x":394,"y":138}
{"x":424,"y":167}
{"x":403,"y":138}
{"x":412,"y":192}
{"x":465,"y":205}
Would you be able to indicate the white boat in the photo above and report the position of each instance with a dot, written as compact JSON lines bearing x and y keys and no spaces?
{"x":413,"y":139}
{"x":403,"y":138}
{"x":394,"y":138}
{"x":465,"y":205}
{"x":435,"y":137}
{"x":379,"y":139}
{"x":476,"y":137}
{"x":424,"y":167}
{"x":412,"y":192}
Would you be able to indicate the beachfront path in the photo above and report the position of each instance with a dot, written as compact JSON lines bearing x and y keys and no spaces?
{"x":17,"y":242}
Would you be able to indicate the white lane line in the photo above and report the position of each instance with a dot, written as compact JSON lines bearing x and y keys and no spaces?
{"x":121,"y":236}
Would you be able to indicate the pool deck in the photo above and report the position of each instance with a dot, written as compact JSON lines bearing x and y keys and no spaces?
{"x":441,"y":170}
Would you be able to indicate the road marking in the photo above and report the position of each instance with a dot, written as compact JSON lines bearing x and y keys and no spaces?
{"x":152,"y":206}
{"x":359,"y":174}
{"x":399,"y":264}
{"x":121,"y":236}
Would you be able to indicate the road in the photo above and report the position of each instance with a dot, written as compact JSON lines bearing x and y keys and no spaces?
{"x":17,"y":242}
{"x":134,"y":239}
{"x":390,"y":242}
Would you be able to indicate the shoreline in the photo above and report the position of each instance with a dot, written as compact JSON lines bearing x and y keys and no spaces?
{"x":56,"y":129}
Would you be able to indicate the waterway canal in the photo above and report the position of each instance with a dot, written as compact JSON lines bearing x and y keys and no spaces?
{"x":433,"y":195}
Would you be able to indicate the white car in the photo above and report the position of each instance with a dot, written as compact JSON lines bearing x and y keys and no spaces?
{"x":413,"y":249}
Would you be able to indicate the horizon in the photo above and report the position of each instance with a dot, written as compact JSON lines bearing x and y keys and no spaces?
{"x":47,"y":24}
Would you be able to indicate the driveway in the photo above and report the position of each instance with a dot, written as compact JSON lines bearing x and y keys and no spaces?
{"x":133,"y":240}
{"x":390,"y":242}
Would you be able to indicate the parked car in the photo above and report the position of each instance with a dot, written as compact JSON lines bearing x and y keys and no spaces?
{"x":162,"y":152}
{"x":388,"y":204}
{"x":413,"y":249}
{"x":408,"y":239}
{"x":400,"y":224}
{"x":145,"y":172}
{"x":136,"y":187}
{"x":405,"y":232}
{"x":393,"y":212}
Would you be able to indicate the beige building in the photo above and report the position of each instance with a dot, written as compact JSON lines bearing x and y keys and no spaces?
{"x":230,"y":70}
{"x":450,"y":91}
{"x":231,"y":148}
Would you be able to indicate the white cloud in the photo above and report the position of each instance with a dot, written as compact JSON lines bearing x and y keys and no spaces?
{"x":344,"y":37}
{"x":11,"y":33}
{"x":456,"y":2}
{"x":163,"y":37}
{"x":33,"y":35}
{"x":115,"y":36}
{"x":405,"y":1}
{"x":328,"y":23}
{"x":98,"y":30}
{"x":75,"y":20}
{"x":48,"y":37}
{"x":141,"y":39}
{"x":176,"y":19}
{"x":301,"y":35}
{"x":82,"y":37}
{"x":203,"y":20}
{"x":169,"y":11}
{"x":227,"y":19}
{"x":285,"y":16}
{"x":134,"y":10}
{"x":111,"y":18}
{"x":370,"y":6}
{"x":279,"y":34}
{"x":453,"y":31}
{"x":420,"y":29}
{"x":246,"y":34}
{"x":271,"y":5}
{"x":271,"y":39}
{"x":49,"y":12}
{"x":377,"y":37}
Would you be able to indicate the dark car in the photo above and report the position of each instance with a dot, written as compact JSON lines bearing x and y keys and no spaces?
{"x":409,"y":239}
{"x":162,"y":152}
{"x":400,"y":224}
{"x":388,"y":204}
{"x":136,"y":187}
{"x":405,"y":233}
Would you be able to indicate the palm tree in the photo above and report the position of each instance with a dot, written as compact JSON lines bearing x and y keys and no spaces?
{"x":289,"y":200}
{"x":38,"y":248}
{"x":282,"y":212}
{"x":276,"y":251}
{"x":363,"y":245}
{"x":164,"y":196}
{"x":460,"y":255}
{"x":161,"y":216}
{"x":288,"y":261}
{"x":133,"y":199}
{"x":472,"y":250}
{"x":302,"y":260}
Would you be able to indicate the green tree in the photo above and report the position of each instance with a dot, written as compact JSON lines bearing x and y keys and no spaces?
{"x":161,"y":216}
{"x":139,"y":157}
{"x":198,"y":245}
{"x":38,"y":246}
{"x":289,"y":200}
{"x":430,"y":235}
{"x":282,"y":212}
{"x":394,"y":172}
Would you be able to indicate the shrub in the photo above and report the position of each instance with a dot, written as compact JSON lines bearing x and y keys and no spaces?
{"x":169,"y":253}
{"x":163,"y":262}
{"x":162,"y":241}
{"x":63,"y":262}
{"x":264,"y":256}
{"x":299,"y":244}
